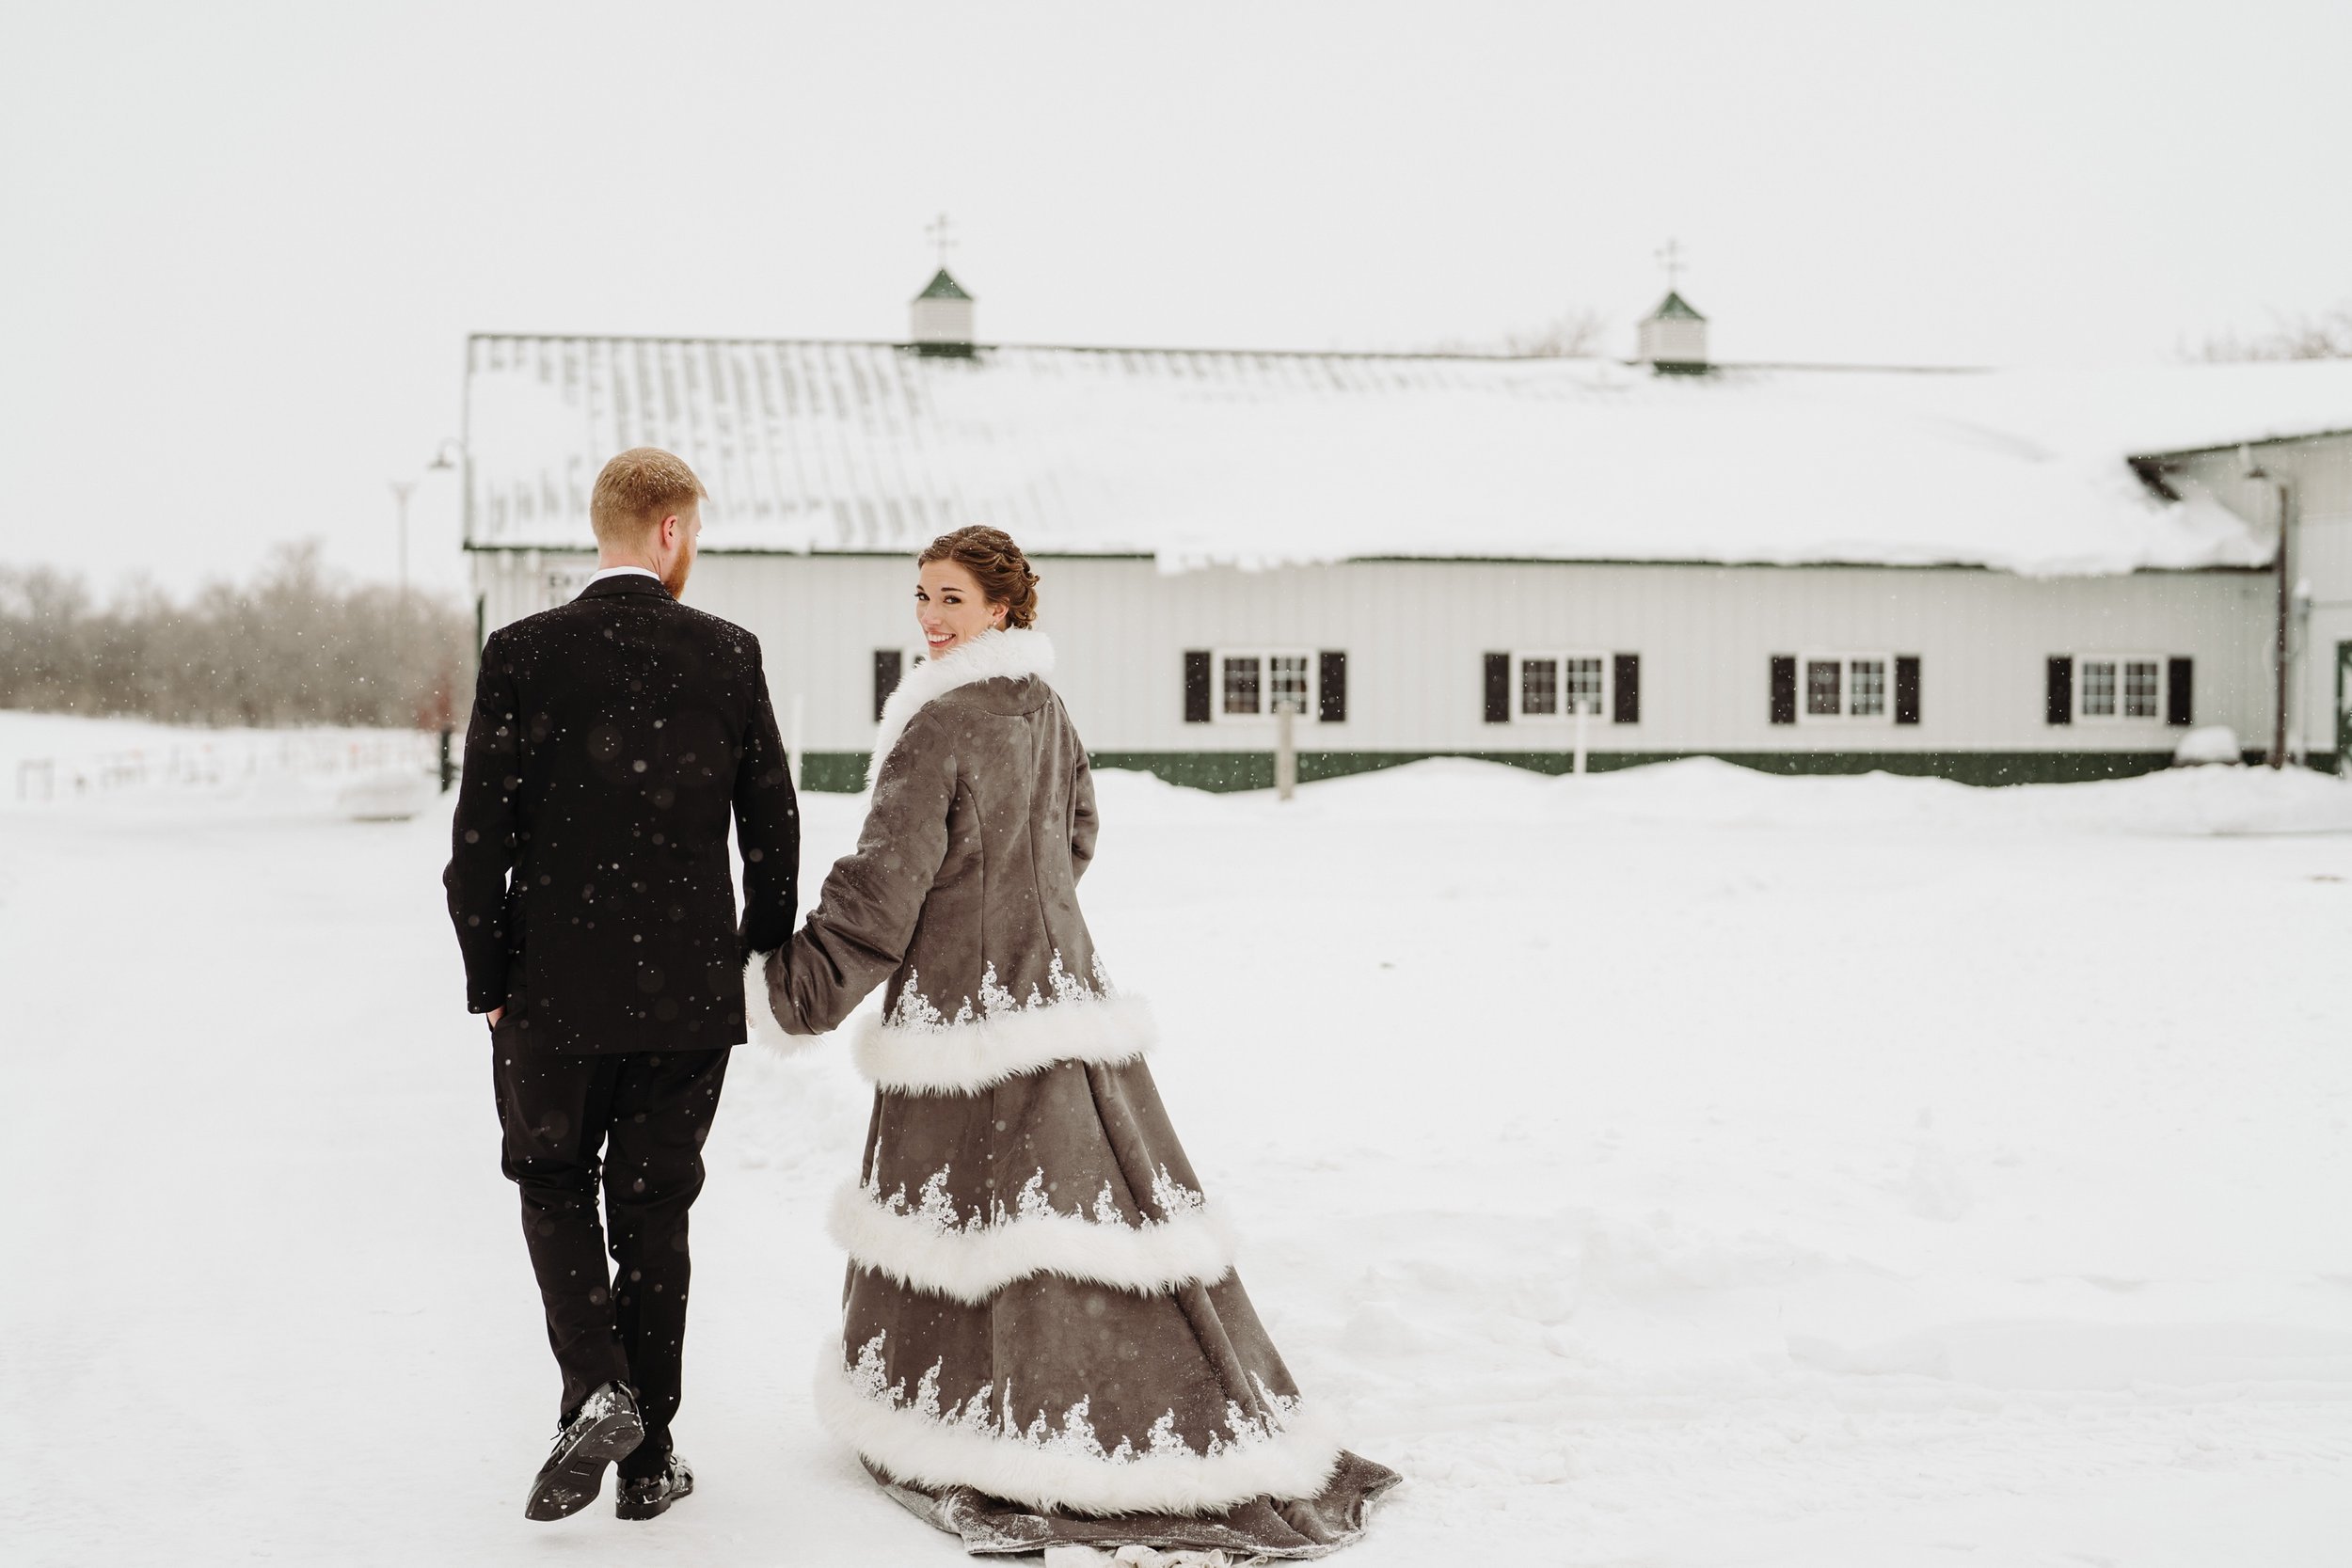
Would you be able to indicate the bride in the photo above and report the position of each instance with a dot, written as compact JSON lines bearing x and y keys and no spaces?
{"x":1044,"y":1342}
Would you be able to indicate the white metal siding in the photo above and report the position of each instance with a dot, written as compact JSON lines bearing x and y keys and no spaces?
{"x":2320,"y":471}
{"x":1415,"y":633}
{"x":1673,"y":340}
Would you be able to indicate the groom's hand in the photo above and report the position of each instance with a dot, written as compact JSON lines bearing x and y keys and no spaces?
{"x":495,"y":1014}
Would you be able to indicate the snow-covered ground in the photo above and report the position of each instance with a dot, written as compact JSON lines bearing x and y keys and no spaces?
{"x":1680,"y":1166}
{"x":46,"y":758}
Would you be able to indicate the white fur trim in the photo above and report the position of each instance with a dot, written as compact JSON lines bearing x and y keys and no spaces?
{"x":966,"y":1058}
{"x":1296,"y":1461}
{"x":759,"y":1012}
{"x":1192,"y":1246}
{"x":1008,"y":651}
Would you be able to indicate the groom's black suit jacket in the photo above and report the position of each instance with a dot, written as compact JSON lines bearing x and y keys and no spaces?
{"x":612,"y":739}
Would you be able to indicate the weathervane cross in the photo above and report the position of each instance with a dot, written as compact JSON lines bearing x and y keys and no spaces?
{"x":1669,"y":256}
{"x":937,"y":230}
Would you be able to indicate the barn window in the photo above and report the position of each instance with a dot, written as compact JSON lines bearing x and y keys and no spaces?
{"x":1847,"y":688}
{"x":1866,"y":696}
{"x":2098,"y":700}
{"x":1539,"y":687}
{"x":1244,"y":687}
{"x":2116,"y":687}
{"x":1258,"y":683}
{"x":1824,"y":685}
{"x":1558,"y":685}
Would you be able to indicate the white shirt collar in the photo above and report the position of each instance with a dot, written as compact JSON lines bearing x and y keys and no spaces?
{"x":622,"y":572}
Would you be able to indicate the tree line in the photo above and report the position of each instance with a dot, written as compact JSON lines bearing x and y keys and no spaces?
{"x":295,"y":646}
{"x":2326,"y":335}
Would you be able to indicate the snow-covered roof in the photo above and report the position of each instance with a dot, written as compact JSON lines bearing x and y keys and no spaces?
{"x":1259,"y":458}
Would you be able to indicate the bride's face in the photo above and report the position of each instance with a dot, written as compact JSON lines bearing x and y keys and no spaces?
{"x":950,"y":607}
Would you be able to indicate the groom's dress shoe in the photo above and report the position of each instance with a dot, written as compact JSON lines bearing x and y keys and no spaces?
{"x":605,"y":1428}
{"x":649,"y":1496}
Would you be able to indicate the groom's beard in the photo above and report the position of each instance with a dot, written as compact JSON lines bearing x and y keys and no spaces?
{"x":675,"y":579}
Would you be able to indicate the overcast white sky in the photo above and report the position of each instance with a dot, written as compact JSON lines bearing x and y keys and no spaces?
{"x":245,"y":242}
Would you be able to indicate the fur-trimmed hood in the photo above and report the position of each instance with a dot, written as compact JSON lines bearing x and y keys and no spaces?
{"x":1012,"y":650}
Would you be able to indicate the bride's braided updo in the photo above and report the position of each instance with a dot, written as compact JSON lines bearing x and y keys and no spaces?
{"x":995,"y":564}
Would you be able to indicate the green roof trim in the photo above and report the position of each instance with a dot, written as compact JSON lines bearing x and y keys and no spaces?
{"x":1674,"y":307}
{"x":943,"y":287}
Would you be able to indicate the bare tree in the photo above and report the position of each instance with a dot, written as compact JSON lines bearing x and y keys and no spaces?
{"x":294,"y":646}
{"x":2326,"y":335}
{"x":1575,"y":334}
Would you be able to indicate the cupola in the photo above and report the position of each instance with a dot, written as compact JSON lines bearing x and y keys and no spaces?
{"x":1672,"y":339}
{"x":940,"y":320}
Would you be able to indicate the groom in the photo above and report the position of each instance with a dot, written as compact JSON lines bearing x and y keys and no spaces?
{"x":612,"y":740}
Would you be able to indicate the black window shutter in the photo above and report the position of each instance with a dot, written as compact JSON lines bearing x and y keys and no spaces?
{"x":886,"y":663}
{"x":1196,"y":686}
{"x":1331,"y":679}
{"x":2057,"y":702}
{"x":1784,"y":688}
{"x":1906,"y":688}
{"x":1498,"y":688}
{"x":2180,"y":692}
{"x":1625,"y":700}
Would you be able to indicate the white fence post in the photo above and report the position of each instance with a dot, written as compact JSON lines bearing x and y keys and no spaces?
{"x":1285,"y":751}
{"x":793,"y":738}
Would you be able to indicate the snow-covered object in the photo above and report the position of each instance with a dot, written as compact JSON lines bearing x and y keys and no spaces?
{"x":389,"y":795}
{"x":1198,"y":458}
{"x":1620,"y":1252}
{"x":2207,"y":743}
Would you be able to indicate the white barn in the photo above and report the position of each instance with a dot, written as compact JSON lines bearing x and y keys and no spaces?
{"x":1990,"y":576}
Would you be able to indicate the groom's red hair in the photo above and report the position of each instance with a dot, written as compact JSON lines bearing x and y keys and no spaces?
{"x":637,"y":490}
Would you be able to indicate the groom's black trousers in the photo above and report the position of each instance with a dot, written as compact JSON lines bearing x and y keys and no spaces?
{"x":638,"y":1120}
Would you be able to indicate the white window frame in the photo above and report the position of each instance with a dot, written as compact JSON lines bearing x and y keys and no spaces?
{"x":1846,"y":659}
{"x":2164,"y":687}
{"x":1520,"y":657}
{"x":1311,"y":714}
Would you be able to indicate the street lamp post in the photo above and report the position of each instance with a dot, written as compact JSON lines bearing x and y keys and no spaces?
{"x":402,"y":490}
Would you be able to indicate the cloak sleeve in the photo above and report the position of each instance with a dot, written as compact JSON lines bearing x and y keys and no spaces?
{"x":866,"y":913}
{"x":1083,"y":822}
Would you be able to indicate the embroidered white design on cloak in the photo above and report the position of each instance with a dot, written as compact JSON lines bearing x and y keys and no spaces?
{"x":914,"y":1011}
{"x":937,"y":1209}
{"x":1074,"y":1434}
